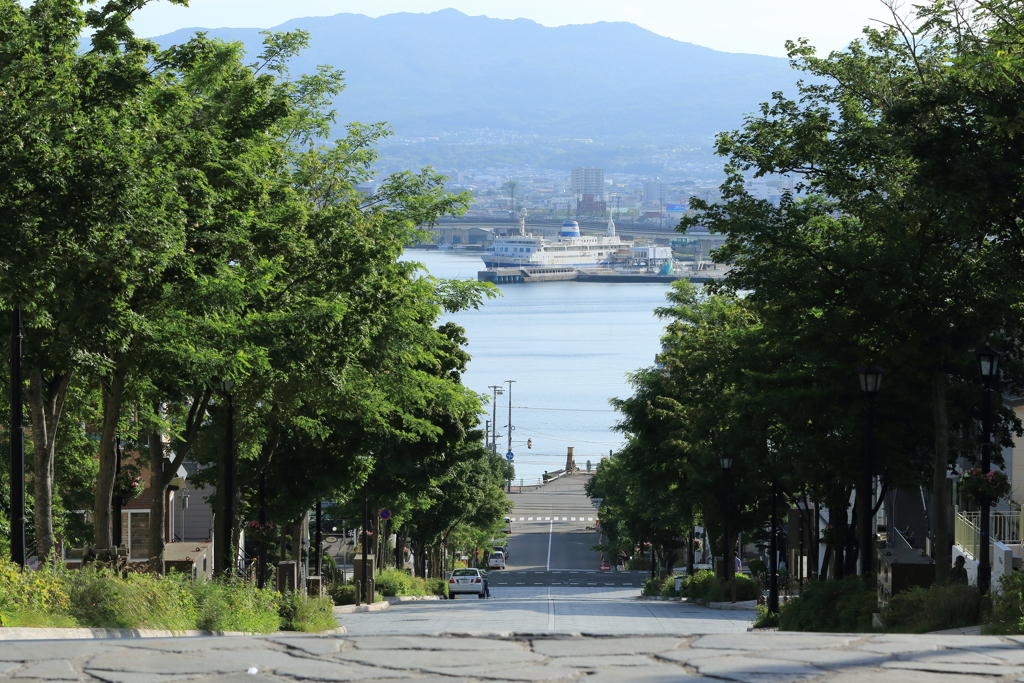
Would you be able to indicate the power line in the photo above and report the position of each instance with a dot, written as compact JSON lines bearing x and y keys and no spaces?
{"x":567,"y":410}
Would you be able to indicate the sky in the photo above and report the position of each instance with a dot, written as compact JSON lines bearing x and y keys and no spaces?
{"x":753,"y":26}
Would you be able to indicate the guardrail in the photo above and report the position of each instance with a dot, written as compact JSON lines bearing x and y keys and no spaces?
{"x":1005,"y":526}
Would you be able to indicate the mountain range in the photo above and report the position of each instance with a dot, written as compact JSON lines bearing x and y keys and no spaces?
{"x":446,"y":72}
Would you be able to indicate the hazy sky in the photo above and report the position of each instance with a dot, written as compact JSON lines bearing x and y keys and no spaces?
{"x":753,"y":26}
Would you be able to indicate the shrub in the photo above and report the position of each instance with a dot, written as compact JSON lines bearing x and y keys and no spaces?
{"x":651,"y":587}
{"x":706,"y":586}
{"x":1008,"y":606}
{"x":757,"y":566}
{"x":921,"y":610}
{"x":233,"y":605}
{"x":838,"y":606}
{"x":300,"y":612}
{"x":101,"y":599}
{"x":765,"y":619}
{"x":38,"y":598}
{"x":638,"y":563}
{"x":342,"y":593}
{"x":392,"y":582}
{"x":437,"y":587}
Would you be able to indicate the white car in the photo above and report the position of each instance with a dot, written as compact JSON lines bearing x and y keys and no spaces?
{"x":467,"y":581}
{"x":496,"y":560}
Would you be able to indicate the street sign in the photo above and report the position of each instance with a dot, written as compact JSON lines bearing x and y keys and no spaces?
{"x":509,"y":456}
{"x":385,"y":514}
{"x":605,"y":567}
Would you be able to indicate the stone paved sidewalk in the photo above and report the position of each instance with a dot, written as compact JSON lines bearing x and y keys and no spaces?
{"x":747,"y":657}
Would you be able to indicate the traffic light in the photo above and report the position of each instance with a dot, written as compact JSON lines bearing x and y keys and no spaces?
{"x":529,"y":443}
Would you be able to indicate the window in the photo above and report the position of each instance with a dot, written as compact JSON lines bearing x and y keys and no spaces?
{"x":135,"y":533}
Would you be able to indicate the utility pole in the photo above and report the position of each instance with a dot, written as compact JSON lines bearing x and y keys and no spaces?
{"x":510,"y":382}
{"x":498,"y":391}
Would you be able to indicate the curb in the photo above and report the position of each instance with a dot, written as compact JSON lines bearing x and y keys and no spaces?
{"x":26,"y":633}
{"x":382,"y":605}
{"x":745,"y":606}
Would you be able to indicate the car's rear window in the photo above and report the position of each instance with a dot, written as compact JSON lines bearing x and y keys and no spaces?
{"x":497,"y":553}
{"x":464,"y":572}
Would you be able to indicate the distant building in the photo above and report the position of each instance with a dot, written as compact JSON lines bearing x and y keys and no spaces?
{"x":654,"y":192}
{"x":588,"y":180}
{"x":589,"y":206}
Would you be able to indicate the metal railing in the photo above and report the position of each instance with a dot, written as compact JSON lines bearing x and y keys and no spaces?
{"x":1005,"y":526}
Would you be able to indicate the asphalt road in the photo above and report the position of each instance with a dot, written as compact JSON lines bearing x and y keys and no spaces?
{"x":553,"y":530}
{"x":549,"y":609}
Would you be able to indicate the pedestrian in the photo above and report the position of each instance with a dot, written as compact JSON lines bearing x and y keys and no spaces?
{"x":958,"y":573}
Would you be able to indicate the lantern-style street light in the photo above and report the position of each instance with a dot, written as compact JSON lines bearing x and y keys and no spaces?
{"x":228,"y":521}
{"x":988,"y":367}
{"x":725,"y":461}
{"x":870,"y":384}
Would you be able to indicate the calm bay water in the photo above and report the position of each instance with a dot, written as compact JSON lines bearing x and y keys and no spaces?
{"x":567,"y":345}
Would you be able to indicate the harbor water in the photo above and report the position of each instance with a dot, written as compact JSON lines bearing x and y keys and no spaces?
{"x":569,"y":347}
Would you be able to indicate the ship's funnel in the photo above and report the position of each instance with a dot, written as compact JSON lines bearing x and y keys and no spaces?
{"x":570,"y":228}
{"x":611,"y":226}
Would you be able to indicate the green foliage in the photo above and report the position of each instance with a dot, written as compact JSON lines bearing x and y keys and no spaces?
{"x":342,"y":593}
{"x":838,"y":606}
{"x":764,"y":618}
{"x":101,"y":599}
{"x":1008,"y":606}
{"x":437,"y":586}
{"x":300,"y":612}
{"x":637,"y":563}
{"x":651,"y":587}
{"x":391,"y":582}
{"x":232,"y":605}
{"x":939,"y":607}
{"x":706,"y":586}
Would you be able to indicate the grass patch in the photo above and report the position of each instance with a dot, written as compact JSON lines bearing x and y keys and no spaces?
{"x":765,"y":619}
{"x":300,"y":612}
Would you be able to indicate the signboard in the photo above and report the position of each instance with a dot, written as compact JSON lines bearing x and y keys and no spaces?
{"x":605,"y":567}
{"x":676,"y":207}
{"x":509,"y":456}
{"x":385,"y":514}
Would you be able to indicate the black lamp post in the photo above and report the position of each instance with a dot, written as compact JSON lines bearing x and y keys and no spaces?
{"x":988,"y":366}
{"x":870,"y":383}
{"x":773,"y":545}
{"x":228,"y":521}
{"x":725,"y":460}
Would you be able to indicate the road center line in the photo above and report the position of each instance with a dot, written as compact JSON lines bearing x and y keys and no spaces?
{"x":551,"y":530}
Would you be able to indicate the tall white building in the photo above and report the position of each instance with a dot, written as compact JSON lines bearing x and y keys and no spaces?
{"x":588,"y":180}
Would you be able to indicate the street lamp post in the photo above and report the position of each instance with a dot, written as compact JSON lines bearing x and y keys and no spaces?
{"x":228,"y":521}
{"x":988,"y":366}
{"x":725,"y":460}
{"x":870,"y":383}
{"x":498,"y":391}
{"x":773,"y":546}
{"x":510,"y":382}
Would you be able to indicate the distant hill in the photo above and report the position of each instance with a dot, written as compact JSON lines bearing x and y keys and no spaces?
{"x":428,"y":74}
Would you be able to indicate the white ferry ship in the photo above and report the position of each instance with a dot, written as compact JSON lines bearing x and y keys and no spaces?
{"x":526,"y":250}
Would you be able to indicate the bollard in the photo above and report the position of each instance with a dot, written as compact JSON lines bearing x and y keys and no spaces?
{"x":369,"y":593}
{"x":359,"y":590}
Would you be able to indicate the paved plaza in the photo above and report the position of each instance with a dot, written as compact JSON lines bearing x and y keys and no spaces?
{"x":745,"y":657}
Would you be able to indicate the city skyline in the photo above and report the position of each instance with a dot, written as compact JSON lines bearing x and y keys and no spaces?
{"x":829,"y":24}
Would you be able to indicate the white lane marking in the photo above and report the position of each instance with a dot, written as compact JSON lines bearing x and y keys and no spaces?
{"x":551,"y":530}
{"x":546,"y":519}
{"x":520,"y":519}
{"x":590,"y":519}
{"x":572,"y":519}
{"x":551,"y":611}
{"x":531,"y":519}
{"x":564,"y":519}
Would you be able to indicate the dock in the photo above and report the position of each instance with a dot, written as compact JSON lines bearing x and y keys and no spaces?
{"x":502,"y":276}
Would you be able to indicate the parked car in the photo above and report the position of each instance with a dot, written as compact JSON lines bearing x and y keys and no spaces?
{"x":496,"y":560}
{"x":502,"y":548}
{"x":467,"y":581}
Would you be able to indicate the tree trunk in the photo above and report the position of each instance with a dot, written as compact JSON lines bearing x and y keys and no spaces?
{"x":826,"y":561}
{"x":941,"y":550}
{"x":46,"y":402}
{"x":113,"y":394}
